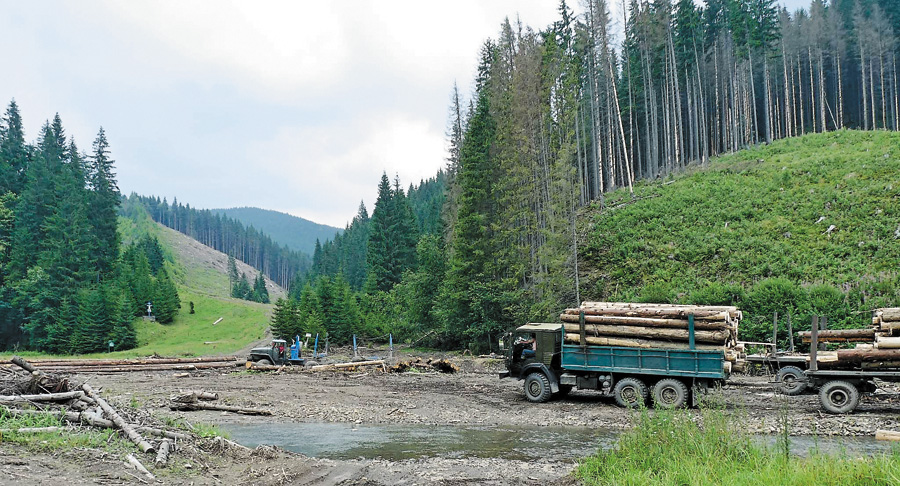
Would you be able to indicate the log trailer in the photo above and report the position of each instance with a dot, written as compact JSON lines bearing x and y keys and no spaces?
{"x":672,"y":377}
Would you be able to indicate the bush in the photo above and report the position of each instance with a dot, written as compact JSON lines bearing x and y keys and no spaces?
{"x":716,"y":293}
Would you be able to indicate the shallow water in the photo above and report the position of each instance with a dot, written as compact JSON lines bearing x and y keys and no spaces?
{"x":398,"y":442}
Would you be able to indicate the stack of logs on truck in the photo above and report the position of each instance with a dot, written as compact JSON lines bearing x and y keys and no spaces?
{"x":628,"y":351}
{"x":839,"y":376}
{"x":660,"y":326}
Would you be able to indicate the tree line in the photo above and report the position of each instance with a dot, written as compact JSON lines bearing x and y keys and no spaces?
{"x":64,"y":284}
{"x":561,"y":116}
{"x":229,"y":236}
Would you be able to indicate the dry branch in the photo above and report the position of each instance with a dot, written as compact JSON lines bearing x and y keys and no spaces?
{"x":190,"y":407}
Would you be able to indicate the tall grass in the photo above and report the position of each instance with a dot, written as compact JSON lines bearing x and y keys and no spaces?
{"x":679,"y":448}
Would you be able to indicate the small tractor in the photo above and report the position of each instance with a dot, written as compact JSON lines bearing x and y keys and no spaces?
{"x":277,"y":353}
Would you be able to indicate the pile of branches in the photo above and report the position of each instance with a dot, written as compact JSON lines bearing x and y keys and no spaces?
{"x":36,"y":392}
{"x":438,"y":365}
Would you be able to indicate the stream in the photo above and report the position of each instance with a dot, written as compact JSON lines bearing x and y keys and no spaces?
{"x":399,"y":442}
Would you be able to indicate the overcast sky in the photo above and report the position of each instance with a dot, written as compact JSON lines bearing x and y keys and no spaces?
{"x":296,"y":106}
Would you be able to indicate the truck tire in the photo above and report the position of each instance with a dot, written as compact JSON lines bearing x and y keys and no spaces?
{"x":839,"y":397}
{"x":265,"y":361}
{"x":670,"y":393}
{"x":537,"y":387}
{"x":630,"y":393}
{"x":791,"y":380}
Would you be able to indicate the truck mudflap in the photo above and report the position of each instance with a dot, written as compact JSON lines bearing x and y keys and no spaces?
{"x":554,"y":380}
{"x":504,"y":374}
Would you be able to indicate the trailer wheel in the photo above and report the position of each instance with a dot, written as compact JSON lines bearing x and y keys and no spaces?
{"x":791,"y":380}
{"x":630,"y":393}
{"x":537,"y":387}
{"x":670,"y":393}
{"x":839,"y":397}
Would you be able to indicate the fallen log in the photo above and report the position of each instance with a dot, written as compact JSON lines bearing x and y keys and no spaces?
{"x":44,"y":397}
{"x":125,"y":362}
{"x":890,"y":435}
{"x":340,"y":366}
{"x":163,"y":433}
{"x":888,"y":314}
{"x":110,"y":412}
{"x":140,"y":467}
{"x":250,"y":365}
{"x":135,"y":368}
{"x":572,"y":338}
{"x":192,"y":407}
{"x":194,"y":395}
{"x":31,"y":430}
{"x":162,"y":454}
{"x":714,"y":337}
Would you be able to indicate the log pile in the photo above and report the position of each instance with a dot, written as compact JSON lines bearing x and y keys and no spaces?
{"x":878,"y":346}
{"x":653,"y":325}
{"x":130,"y":365}
{"x":30,"y":391}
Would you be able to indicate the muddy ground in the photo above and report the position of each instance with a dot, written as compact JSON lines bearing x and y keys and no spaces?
{"x":472,"y":397}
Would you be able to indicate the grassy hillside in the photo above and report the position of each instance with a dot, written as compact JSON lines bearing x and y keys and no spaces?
{"x":805,"y":225}
{"x":295,"y":233}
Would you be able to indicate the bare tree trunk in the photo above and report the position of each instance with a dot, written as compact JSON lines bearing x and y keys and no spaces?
{"x":800,"y":86}
{"x":788,"y":89}
{"x":865,"y":100}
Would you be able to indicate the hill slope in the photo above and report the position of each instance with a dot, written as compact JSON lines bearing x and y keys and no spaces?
{"x":201,"y":278}
{"x":291,"y":231}
{"x":771,"y":228}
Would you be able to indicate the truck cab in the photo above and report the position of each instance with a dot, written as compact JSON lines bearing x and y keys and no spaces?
{"x":545,"y":341}
{"x":278,"y":353}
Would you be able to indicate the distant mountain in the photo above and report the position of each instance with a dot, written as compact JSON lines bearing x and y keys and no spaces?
{"x":295,"y":233}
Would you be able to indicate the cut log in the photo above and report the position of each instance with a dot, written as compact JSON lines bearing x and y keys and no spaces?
{"x":25,"y":365}
{"x":162,"y":454}
{"x":699,"y":315}
{"x":194,"y":395}
{"x":645,"y":321}
{"x":841,"y":335}
{"x":731,"y":310}
{"x":890,"y":435}
{"x":190,"y":407}
{"x":636,"y":343}
{"x":140,"y":467}
{"x":135,"y":368}
{"x":125,"y":362}
{"x":44,"y":397}
{"x":714,"y":337}
{"x":880,"y":365}
{"x":859,"y":356}
{"x":110,"y":412}
{"x":339,"y":366}
{"x":887,"y":342}
{"x":889,"y":314}
{"x":31,"y":430}
{"x":163,"y":433}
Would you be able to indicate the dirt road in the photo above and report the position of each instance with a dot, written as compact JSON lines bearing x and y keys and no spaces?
{"x":472,"y":397}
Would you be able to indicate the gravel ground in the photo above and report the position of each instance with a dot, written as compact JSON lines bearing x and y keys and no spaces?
{"x":472,"y":397}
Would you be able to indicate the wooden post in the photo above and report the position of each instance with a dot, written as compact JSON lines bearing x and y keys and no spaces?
{"x":692,"y":345}
{"x":814,"y":342}
{"x":823,"y":326}
{"x":775,"y":334}
{"x":581,"y":329}
{"x":790,"y":332}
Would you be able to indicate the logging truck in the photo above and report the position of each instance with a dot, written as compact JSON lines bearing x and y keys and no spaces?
{"x":542,"y":355}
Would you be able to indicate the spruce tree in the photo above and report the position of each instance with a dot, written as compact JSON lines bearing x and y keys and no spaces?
{"x":123,"y":334}
{"x":103,"y":205}
{"x":232,"y":274}
{"x":95,"y":321}
{"x":379,"y":272}
{"x":260,"y":293}
{"x":13,"y":151}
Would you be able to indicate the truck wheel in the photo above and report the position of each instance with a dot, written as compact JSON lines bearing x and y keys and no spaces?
{"x":791,"y":380}
{"x":537,"y":387}
{"x":839,"y":397}
{"x":670,"y":393}
{"x":630,"y":393}
{"x":265,"y":361}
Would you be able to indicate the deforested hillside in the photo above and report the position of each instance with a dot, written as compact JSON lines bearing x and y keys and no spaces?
{"x":805,"y":225}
